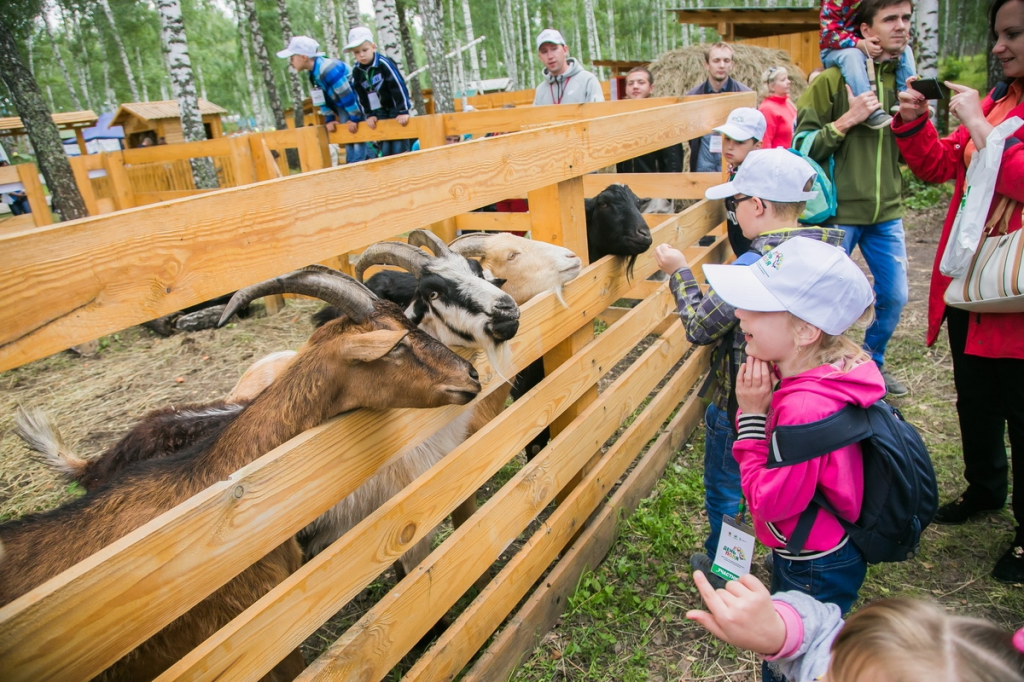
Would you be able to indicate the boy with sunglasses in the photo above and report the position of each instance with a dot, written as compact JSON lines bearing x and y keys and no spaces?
{"x":767,"y":195}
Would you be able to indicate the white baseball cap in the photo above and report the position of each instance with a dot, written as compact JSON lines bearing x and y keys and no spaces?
{"x":772,"y":174}
{"x":550,"y":35}
{"x":358,"y":36}
{"x":743,"y":123}
{"x":303,"y":45}
{"x":810,"y":279}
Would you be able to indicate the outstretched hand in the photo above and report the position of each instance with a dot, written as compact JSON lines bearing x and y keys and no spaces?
{"x":913,"y":104}
{"x":669,"y":258}
{"x":742,"y":614}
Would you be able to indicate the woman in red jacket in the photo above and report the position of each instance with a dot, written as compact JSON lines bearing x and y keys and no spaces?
{"x":987,"y":348}
{"x":778,"y":109}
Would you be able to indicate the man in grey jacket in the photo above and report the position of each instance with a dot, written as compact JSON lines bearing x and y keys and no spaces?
{"x":565,"y":81}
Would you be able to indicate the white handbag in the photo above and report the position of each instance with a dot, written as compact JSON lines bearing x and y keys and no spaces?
{"x":994,"y":280}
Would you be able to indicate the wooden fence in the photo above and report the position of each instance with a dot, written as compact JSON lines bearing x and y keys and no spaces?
{"x":77,"y":280}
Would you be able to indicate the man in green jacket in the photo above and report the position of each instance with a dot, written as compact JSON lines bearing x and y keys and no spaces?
{"x":867,"y":174}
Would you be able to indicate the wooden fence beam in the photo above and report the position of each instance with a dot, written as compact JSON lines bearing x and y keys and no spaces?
{"x":85,"y":188}
{"x":29,"y":176}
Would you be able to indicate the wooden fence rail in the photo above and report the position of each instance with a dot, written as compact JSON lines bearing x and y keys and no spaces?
{"x":78,"y":280}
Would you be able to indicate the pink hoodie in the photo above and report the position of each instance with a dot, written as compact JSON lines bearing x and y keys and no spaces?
{"x":776,"y":497}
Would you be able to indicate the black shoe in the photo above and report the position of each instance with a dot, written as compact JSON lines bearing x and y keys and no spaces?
{"x":878,"y":120}
{"x":963,"y":509}
{"x":893,"y":386}
{"x":1010,"y":568}
{"x":702,"y":562}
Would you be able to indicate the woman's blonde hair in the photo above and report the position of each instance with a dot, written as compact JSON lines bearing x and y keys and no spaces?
{"x":830,"y":349}
{"x":908,"y":640}
{"x":769,"y":76}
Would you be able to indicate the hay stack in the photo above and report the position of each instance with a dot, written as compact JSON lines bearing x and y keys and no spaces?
{"x":680,"y":70}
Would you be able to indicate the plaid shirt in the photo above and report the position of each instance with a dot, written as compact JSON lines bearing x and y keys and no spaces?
{"x":333,"y":78}
{"x":707,"y":318}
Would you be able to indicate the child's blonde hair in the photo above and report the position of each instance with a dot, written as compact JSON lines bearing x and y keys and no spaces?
{"x":915,"y":641}
{"x":830,"y":349}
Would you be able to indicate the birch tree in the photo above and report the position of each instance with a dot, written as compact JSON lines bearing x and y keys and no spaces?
{"x":174,"y":37}
{"x":329,"y":20}
{"x":433,"y":40}
{"x":352,"y":17}
{"x":60,"y":63}
{"x":389,"y":40}
{"x":293,"y":76}
{"x":593,"y":44}
{"x":260,"y":49}
{"x":927,"y":46}
{"x":39,"y":126}
{"x":613,"y":51}
{"x":259,"y":114}
{"x":410,"y":55}
{"x":507,"y":46}
{"x":142,"y":75}
{"x":105,"y":4}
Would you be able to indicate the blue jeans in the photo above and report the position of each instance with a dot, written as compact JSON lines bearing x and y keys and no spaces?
{"x":355,"y":152}
{"x":721,"y":473}
{"x":852,"y":64}
{"x":885,"y":250}
{"x":392,"y":147}
{"x":833,"y":579}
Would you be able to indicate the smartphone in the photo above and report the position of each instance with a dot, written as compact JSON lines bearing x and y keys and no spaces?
{"x":931,"y":88}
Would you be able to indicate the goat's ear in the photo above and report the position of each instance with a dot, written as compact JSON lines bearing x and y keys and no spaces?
{"x":588,"y":205}
{"x":498,"y":282}
{"x":371,"y":345}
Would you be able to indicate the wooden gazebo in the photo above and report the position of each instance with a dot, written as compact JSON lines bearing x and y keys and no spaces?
{"x":162,"y":119}
{"x":76,"y":121}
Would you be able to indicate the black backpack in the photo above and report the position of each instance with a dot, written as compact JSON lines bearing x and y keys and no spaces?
{"x":900,"y":490}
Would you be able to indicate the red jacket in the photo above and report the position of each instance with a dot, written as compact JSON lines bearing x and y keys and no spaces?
{"x":991,"y":335}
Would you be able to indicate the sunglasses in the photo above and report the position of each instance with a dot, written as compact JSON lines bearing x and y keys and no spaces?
{"x":732,"y":202}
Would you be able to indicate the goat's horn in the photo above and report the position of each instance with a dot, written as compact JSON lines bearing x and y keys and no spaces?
{"x":334,"y":287}
{"x":430,"y":240}
{"x":472,"y":244}
{"x":410,"y":258}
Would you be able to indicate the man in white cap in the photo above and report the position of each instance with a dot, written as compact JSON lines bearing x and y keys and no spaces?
{"x":767,"y":196}
{"x":565,"y":81}
{"x":741,"y":134}
{"x":329,"y":88}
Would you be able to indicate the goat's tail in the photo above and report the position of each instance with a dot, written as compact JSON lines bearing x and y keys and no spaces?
{"x":40,"y":434}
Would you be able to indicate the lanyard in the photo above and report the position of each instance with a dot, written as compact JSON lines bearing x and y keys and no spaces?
{"x":561,"y":90}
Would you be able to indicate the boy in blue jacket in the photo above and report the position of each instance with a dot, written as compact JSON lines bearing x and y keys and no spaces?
{"x":379,"y":86}
{"x":330,"y":88}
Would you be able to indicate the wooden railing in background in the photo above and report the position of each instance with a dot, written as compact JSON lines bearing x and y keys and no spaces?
{"x":85,"y":278}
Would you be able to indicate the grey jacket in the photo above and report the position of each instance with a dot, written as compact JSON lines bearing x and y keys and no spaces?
{"x":574,"y":86}
{"x":822,"y":622}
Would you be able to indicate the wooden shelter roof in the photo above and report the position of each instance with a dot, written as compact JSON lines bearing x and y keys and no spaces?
{"x":161,"y":109}
{"x":736,"y":23}
{"x":68,"y":120}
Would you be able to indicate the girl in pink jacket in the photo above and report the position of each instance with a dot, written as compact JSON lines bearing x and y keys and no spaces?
{"x":794,"y":306}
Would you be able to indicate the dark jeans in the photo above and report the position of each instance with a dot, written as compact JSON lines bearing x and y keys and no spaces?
{"x":832,"y":579}
{"x":392,"y":147}
{"x":989,"y":403}
{"x":20,"y":206}
{"x":722,"y":491}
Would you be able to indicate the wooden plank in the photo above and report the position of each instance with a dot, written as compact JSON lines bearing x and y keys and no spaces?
{"x":298,"y":606}
{"x":494,"y":222}
{"x":29,"y":176}
{"x":655,"y":219}
{"x":84,"y":184}
{"x":122,"y":188}
{"x":660,"y":185}
{"x":415,"y":604}
{"x":17,"y":223}
{"x":485,"y":614}
{"x":512,"y":120}
{"x":9,"y":174}
{"x":242,"y":160}
{"x":547,"y":603}
{"x":176,"y":152}
{"x":132,"y":266}
{"x":146,"y":198}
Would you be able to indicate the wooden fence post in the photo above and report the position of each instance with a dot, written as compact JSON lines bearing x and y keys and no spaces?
{"x":314,"y":152}
{"x":120,"y":183}
{"x":78,"y":167}
{"x":432,"y":134}
{"x":29,"y":176}
{"x":242,"y":160}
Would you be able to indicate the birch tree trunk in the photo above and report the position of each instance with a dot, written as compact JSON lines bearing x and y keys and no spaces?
{"x":256,"y":34}
{"x":508,"y":48}
{"x":410,"y":56}
{"x":613,"y":49}
{"x":352,"y":17}
{"x":120,"y":48}
{"x":474,"y":58}
{"x":31,"y":56}
{"x":60,"y":63}
{"x":84,"y":75}
{"x":142,"y":75}
{"x":39,"y":126}
{"x":389,"y":39}
{"x":433,"y":40}
{"x":329,"y":20}
{"x":293,"y":76}
{"x":927,"y":46}
{"x":173,"y":30}
{"x":259,"y":115}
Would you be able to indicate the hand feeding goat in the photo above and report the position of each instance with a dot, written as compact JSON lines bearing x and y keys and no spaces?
{"x":371,"y":356}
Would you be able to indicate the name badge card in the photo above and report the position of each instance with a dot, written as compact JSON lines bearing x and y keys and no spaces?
{"x":716,"y":143}
{"x":316,"y":95}
{"x":735,"y":549}
{"x":374,"y":100}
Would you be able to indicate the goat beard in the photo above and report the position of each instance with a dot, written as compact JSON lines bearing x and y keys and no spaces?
{"x":500,"y":356}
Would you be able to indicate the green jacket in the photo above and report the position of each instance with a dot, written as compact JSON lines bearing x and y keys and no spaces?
{"x":867,"y":175}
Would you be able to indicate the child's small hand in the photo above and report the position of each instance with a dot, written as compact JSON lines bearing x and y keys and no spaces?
{"x":669,"y":259}
{"x":332,"y":126}
{"x":754,"y":386}
{"x":872,"y":46}
{"x":403,"y":119}
{"x":353,"y":126}
{"x":371,"y":121}
{"x":742,"y":614}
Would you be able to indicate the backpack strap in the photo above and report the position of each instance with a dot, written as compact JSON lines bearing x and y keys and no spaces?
{"x":800,"y":443}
